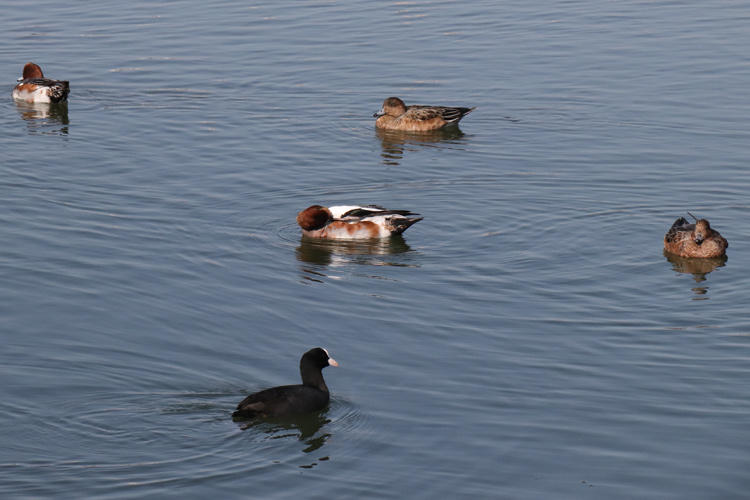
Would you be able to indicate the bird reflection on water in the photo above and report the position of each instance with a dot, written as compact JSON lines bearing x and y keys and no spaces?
{"x":339,"y":253}
{"x":305,"y":428}
{"x":699,"y":268}
{"x":395,"y":142}
{"x":44,"y":118}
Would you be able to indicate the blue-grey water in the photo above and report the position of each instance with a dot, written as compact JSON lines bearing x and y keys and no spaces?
{"x":528,"y":339}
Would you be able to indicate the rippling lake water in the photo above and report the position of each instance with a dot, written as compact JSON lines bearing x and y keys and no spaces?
{"x":528,"y":339}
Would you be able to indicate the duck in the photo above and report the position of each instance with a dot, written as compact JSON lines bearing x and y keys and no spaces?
{"x":395,"y":115}
{"x":354,"y":222}
{"x":694,"y":240}
{"x":33,"y":87}
{"x":310,"y":396}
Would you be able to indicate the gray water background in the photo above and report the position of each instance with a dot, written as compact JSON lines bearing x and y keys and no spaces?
{"x":528,"y":339}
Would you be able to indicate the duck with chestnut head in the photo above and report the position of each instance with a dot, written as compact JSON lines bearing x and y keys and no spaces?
{"x":354,"y":222}
{"x":34,"y":87}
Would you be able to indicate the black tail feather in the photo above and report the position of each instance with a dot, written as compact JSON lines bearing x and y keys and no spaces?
{"x":682,"y":221}
{"x":401,"y":224}
{"x":454,"y":115}
{"x":59,"y":91}
{"x":679,"y":225}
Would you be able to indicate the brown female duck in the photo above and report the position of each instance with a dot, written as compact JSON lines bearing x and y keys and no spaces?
{"x":395,"y":115}
{"x":694,"y":240}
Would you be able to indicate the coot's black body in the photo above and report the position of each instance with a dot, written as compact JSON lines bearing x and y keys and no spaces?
{"x":312,"y":395}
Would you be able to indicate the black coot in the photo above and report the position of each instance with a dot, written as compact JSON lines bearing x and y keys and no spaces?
{"x":311,"y":395}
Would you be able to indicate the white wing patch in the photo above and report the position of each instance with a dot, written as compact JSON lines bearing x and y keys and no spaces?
{"x":340,"y":210}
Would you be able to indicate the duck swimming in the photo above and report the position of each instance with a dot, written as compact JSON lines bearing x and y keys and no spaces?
{"x":309,"y":396}
{"x":353,"y":222}
{"x":694,"y":240}
{"x":395,"y":115}
{"x":34,"y":87}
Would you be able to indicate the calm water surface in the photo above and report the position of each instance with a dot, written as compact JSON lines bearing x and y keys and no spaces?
{"x":528,"y":339}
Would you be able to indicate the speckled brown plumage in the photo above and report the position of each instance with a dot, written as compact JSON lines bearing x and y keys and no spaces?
{"x":694,"y":240}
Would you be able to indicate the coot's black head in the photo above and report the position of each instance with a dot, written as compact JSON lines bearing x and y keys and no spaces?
{"x":311,"y":364}
{"x":318,"y":358}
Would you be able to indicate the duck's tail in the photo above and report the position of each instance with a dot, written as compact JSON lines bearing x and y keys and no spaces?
{"x":59,"y":91}
{"x":681,"y":221}
{"x":401,"y":224}
{"x":454,"y":115}
{"x":677,"y":227}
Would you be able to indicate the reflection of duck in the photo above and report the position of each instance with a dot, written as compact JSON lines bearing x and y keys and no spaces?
{"x":694,"y":240}
{"x":394,"y":142}
{"x":34,"y":87}
{"x":41,"y":111}
{"x":395,"y":115}
{"x":327,"y":252}
{"x":699,"y":268}
{"x":44,"y":118}
{"x":354,"y":222}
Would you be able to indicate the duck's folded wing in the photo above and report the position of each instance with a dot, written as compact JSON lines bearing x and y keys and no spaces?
{"x":425,"y":113}
{"x":349,"y":212}
{"x":364,"y":213}
{"x":680,"y":226}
